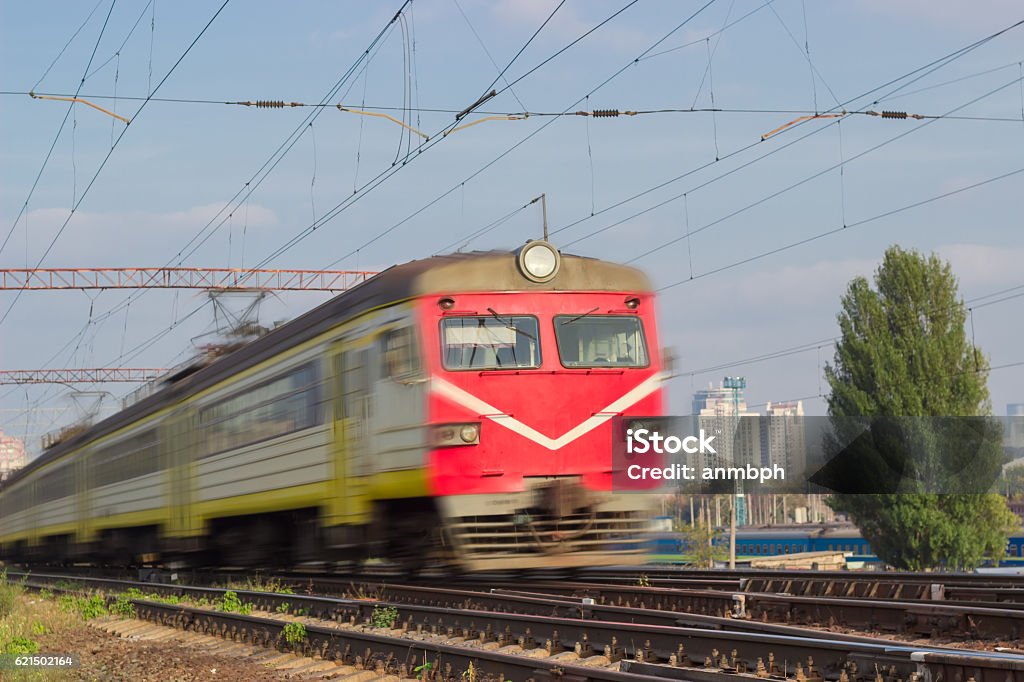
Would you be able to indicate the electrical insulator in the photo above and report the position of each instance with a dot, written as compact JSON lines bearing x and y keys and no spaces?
{"x":605,"y":113}
{"x":894,"y":114}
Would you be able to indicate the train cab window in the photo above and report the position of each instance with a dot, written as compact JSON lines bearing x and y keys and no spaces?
{"x":399,"y":354}
{"x":600,"y":341}
{"x":495,"y":342}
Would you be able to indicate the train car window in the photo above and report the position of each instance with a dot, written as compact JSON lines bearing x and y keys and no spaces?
{"x":399,"y":354}
{"x":600,"y":341}
{"x":55,"y":484}
{"x":129,"y":458}
{"x":764,"y":549}
{"x":496,"y":342}
{"x":287,"y":403}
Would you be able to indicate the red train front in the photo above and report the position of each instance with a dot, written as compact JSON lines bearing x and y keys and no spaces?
{"x":527,"y":377}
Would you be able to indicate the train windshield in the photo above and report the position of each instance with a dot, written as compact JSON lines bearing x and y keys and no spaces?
{"x":495,"y":342}
{"x":600,"y":341}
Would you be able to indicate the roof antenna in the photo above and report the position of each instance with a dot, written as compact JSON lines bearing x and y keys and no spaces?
{"x":543,"y":199}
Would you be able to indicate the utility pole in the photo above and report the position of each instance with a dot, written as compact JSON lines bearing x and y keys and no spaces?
{"x":736,"y":384}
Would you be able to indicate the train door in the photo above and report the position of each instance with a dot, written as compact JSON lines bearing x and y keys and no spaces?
{"x":83,"y":484}
{"x":176,"y":456}
{"x":353,"y":364}
{"x":401,"y":386}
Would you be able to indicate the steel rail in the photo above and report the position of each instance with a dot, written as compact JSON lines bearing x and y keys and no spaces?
{"x":564,"y":623}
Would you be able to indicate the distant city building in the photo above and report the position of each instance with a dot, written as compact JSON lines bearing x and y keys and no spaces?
{"x":717,"y":410}
{"x":783,"y":438}
{"x":12,"y":455}
{"x":720,"y":412}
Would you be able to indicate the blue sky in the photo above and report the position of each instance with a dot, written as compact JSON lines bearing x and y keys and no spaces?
{"x":178,"y":164}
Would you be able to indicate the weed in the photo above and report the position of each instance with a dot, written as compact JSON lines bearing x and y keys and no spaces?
{"x":423,"y":670}
{"x":384,"y":617}
{"x":92,"y":607}
{"x":282,"y":607}
{"x":39,"y":628}
{"x":19,"y":645}
{"x":9,"y":593}
{"x":294,"y":634}
{"x":363,"y":592}
{"x":643,"y":581}
{"x":123,"y":605}
{"x":45,"y":593}
{"x":230,"y":603}
{"x":260,"y":584}
{"x":87,"y":607}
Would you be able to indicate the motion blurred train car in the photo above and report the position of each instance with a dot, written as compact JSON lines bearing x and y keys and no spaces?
{"x":457,"y":407}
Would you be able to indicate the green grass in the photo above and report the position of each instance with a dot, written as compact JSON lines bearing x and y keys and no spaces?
{"x":384,"y":617}
{"x":87,"y":606}
{"x":9,"y":593}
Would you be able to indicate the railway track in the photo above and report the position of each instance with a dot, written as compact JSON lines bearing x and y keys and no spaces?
{"x":908,"y":606}
{"x":903,"y":586}
{"x":560,"y":634}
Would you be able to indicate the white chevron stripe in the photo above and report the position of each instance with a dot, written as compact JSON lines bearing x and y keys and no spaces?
{"x":485,"y":410}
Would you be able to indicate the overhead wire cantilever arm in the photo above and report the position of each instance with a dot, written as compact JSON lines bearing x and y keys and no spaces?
{"x":510,"y":117}
{"x":389,"y":117}
{"x":80,"y":101}
{"x":801,"y":120}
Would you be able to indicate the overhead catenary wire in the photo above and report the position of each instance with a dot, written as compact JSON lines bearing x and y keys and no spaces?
{"x":384,"y":175}
{"x":785,"y":189}
{"x":68,"y":44}
{"x":250,"y":186}
{"x":920,"y":72}
{"x":110,"y":152}
{"x":865,"y":221}
{"x":60,"y":129}
{"x":246,"y":190}
{"x":388,"y":172}
{"x":378,"y":110}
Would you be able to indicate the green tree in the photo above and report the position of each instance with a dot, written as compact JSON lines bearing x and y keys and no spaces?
{"x":701,"y":549}
{"x":904,"y":352}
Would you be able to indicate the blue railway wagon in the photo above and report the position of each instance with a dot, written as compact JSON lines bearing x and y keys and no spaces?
{"x":757,"y":542}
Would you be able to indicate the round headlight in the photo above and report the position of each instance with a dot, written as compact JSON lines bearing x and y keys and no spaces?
{"x":539,"y":261}
{"x":468,"y":433}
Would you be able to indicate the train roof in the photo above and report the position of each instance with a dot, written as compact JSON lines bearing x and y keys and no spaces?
{"x":438,"y":275}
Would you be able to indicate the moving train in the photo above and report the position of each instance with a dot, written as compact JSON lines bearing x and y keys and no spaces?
{"x":459,"y":407}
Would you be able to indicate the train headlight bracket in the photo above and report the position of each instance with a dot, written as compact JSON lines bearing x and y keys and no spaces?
{"x":539,"y":261}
